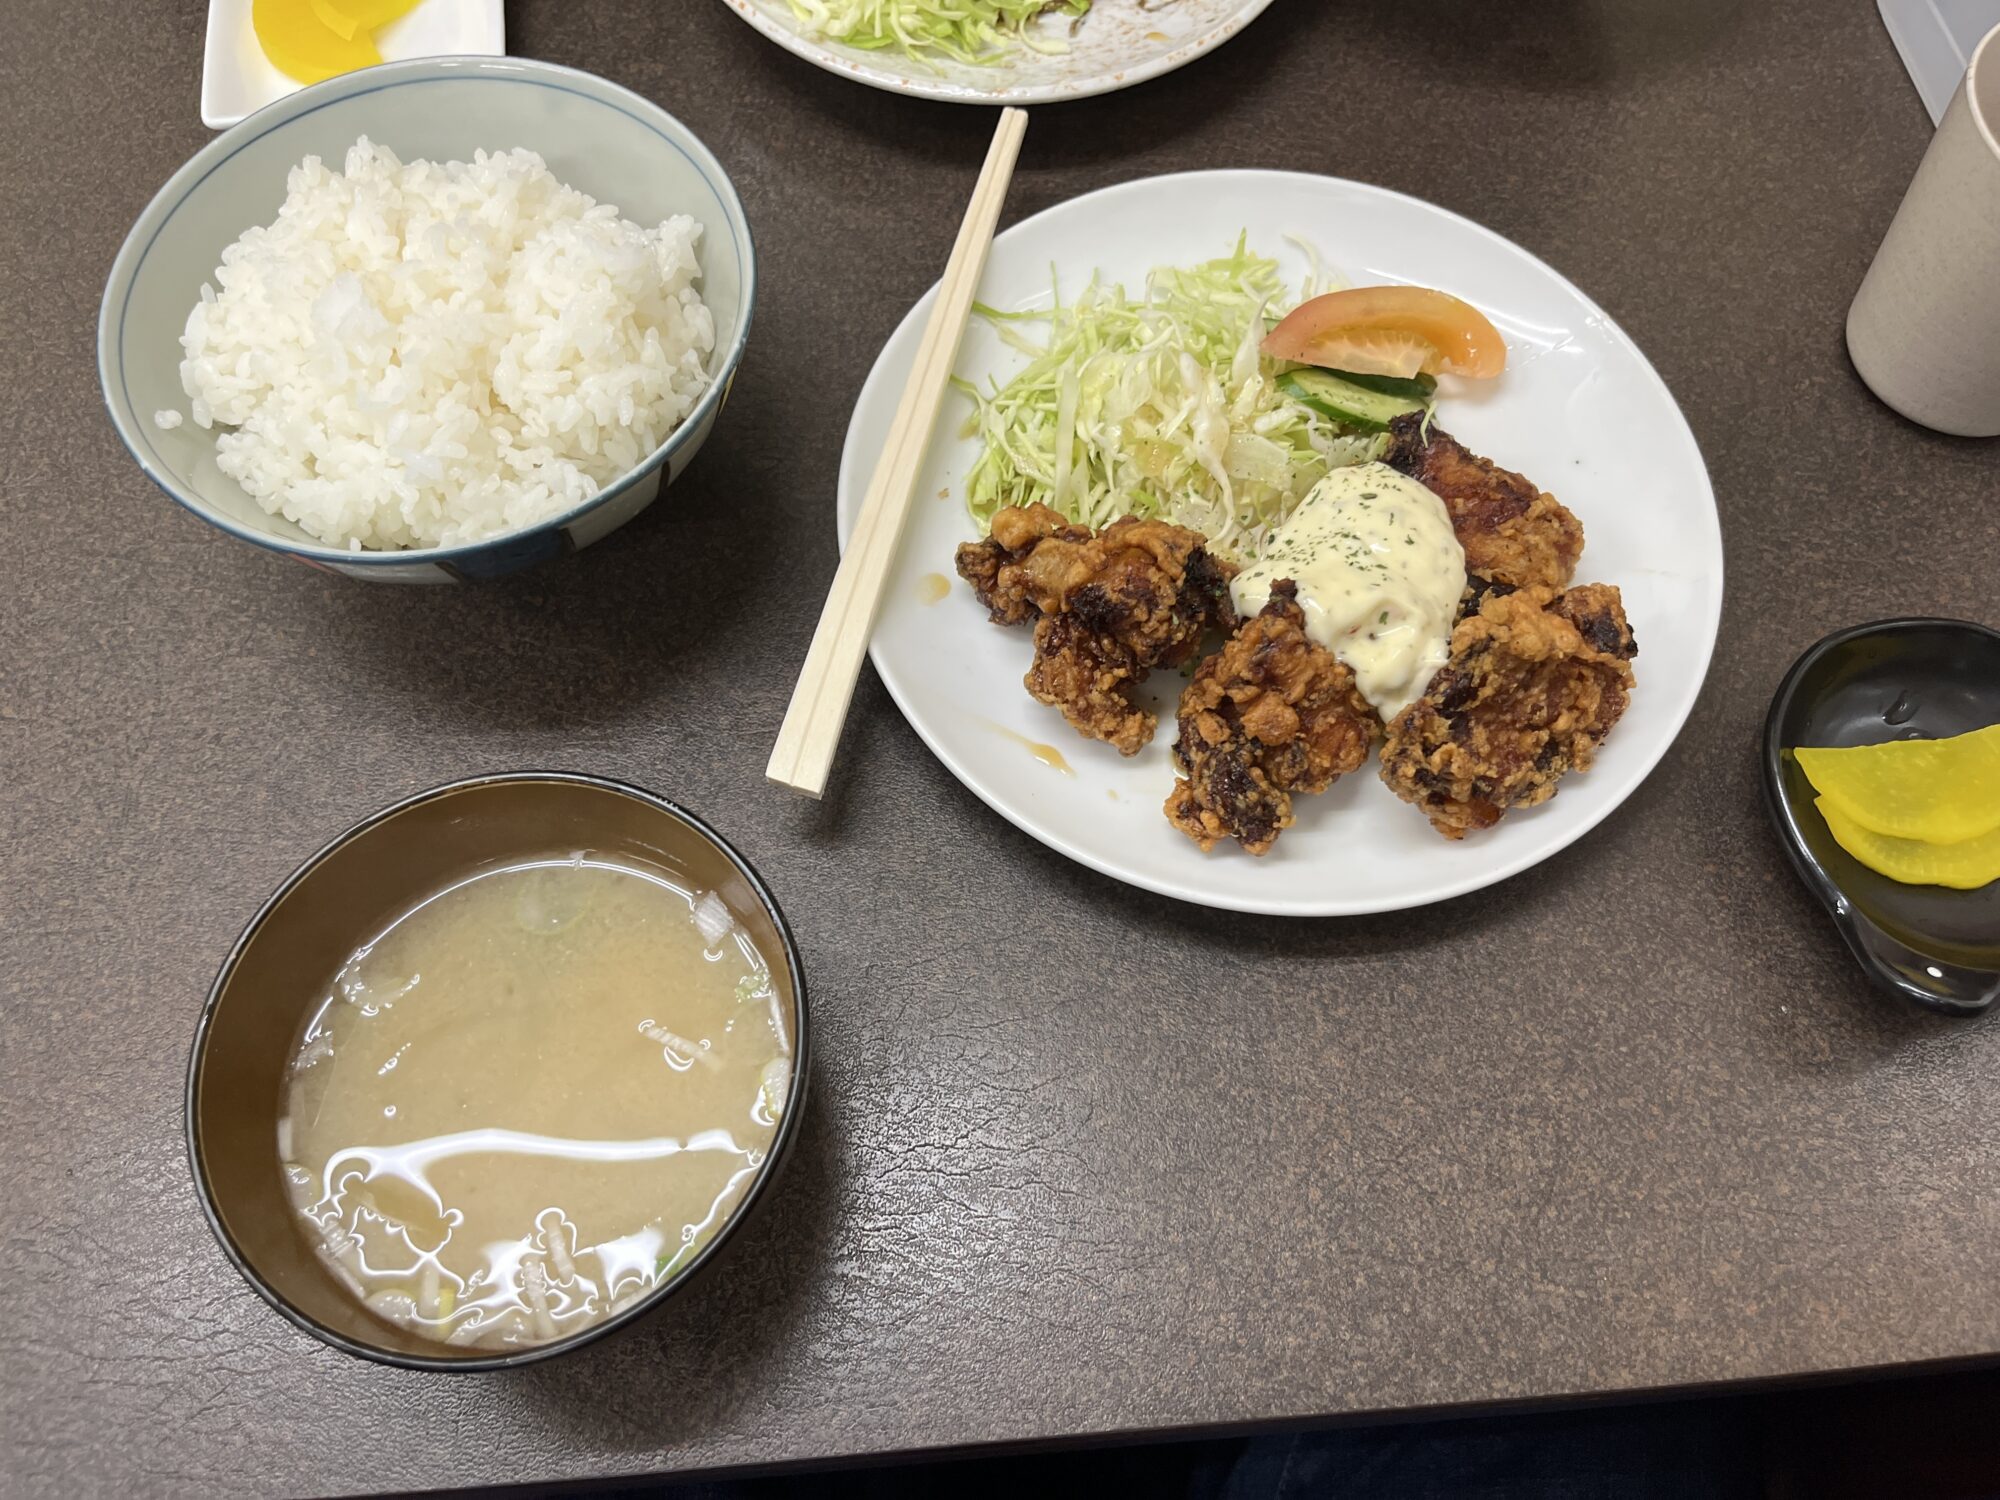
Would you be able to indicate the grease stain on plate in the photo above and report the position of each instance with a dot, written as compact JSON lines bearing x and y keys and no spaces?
{"x":1048,"y":755}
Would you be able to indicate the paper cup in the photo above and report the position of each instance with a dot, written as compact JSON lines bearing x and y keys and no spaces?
{"x":1924,"y":330}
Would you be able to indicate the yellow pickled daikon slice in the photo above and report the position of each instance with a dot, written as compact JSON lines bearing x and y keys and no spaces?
{"x":1941,"y":791}
{"x":351,"y":18}
{"x":303,"y":47}
{"x":1964,"y":866}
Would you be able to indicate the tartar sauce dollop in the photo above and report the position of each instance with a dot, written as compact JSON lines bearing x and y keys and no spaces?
{"x":1379,"y":575}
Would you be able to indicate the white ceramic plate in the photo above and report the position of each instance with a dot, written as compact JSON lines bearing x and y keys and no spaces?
{"x":1579,"y":411}
{"x":237,"y":79}
{"x":1119,"y":43}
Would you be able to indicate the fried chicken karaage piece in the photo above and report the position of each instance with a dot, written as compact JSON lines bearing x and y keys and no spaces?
{"x":997,"y":567}
{"x":1270,"y":715}
{"x":1534,"y":683}
{"x":1512,"y":533}
{"x":1107,"y":608}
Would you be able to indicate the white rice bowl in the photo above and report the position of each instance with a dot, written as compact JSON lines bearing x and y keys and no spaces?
{"x":424,"y":354}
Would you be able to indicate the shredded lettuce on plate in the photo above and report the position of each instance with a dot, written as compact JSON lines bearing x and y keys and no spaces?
{"x":968,"y":31}
{"x":1159,"y":405}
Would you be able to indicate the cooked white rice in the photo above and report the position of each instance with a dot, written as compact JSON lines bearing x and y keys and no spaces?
{"x":418,"y":354}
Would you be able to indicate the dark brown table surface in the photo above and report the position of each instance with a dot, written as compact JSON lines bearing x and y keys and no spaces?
{"x":1077,"y":1159}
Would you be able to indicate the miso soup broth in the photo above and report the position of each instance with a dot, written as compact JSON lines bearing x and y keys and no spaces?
{"x":533,"y":1098}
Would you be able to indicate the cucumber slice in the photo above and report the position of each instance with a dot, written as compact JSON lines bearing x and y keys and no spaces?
{"x":1416,"y":387}
{"x":1342,"y":399}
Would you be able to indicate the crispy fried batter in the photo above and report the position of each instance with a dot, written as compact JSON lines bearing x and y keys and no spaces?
{"x":1512,"y":534}
{"x":1269,"y":715}
{"x":1534,"y":683}
{"x":1597,"y":610}
{"x":996,"y":568}
{"x":1089,"y":677}
{"x":1108,"y":608}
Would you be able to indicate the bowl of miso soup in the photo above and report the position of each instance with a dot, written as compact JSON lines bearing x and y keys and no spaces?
{"x":497,"y":1071}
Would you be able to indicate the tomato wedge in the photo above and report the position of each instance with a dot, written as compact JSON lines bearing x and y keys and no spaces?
{"x":1390,"y":330}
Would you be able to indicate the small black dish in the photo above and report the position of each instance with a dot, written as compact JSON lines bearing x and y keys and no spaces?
{"x":1894,"y":679}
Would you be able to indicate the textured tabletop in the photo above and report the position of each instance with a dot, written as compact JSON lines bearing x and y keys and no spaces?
{"x":1077,"y":1159}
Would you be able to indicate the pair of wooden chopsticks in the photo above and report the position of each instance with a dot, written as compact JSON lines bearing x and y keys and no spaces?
{"x":811,"y":732}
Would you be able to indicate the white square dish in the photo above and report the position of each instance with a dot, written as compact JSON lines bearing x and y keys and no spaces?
{"x":1936,"y":40}
{"x":238,"y":80}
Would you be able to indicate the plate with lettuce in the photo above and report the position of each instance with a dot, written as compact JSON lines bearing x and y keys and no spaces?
{"x":999,"y":51}
{"x":1120,"y":365}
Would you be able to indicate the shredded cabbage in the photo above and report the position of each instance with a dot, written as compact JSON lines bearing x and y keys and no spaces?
{"x":1157,"y":406}
{"x":968,"y":31}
